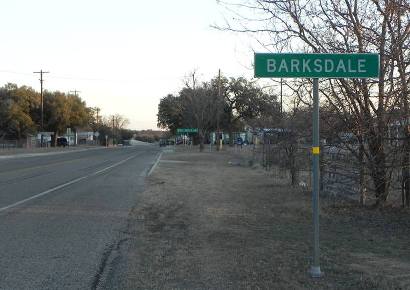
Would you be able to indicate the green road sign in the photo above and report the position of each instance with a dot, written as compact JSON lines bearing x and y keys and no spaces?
{"x":316,"y":65}
{"x":187,"y":130}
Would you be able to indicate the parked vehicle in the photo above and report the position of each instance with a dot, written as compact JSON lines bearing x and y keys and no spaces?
{"x":62,"y":141}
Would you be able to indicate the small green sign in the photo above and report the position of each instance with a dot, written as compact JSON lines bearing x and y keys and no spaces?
{"x":316,"y":65}
{"x":187,"y":130}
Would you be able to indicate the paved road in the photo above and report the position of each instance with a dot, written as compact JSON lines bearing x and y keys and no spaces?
{"x":61,"y":216}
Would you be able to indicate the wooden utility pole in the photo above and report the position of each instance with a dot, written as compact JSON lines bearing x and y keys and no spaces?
{"x":41,"y":72}
{"x":75,"y":92}
{"x":219,"y":103}
{"x":98,"y":112}
{"x":113,"y":128}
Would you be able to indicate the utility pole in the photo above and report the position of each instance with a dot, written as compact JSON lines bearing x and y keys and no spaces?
{"x":75,"y":92}
{"x":41,"y":72}
{"x":96,"y":128}
{"x":192,"y":102}
{"x":98,"y":112}
{"x":219,"y":103}
{"x":113,"y":128}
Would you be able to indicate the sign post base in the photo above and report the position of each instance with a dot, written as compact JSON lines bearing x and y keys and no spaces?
{"x":315,"y":272}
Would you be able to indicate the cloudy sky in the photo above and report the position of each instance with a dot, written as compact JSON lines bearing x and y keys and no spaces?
{"x":122,"y":55}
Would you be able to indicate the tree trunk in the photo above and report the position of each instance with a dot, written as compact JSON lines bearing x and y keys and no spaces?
{"x":294,"y":175}
{"x":380,"y":182}
{"x":293,"y":166}
{"x":405,"y":180}
{"x":406,"y":166}
{"x":379,"y":175}
{"x":231,"y":141}
{"x":362,"y":187}
{"x":201,"y":142}
{"x":378,"y":166}
{"x":54,"y":139}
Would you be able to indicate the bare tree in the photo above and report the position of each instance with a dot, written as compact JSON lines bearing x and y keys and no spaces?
{"x":114,"y":123}
{"x":347,"y":26}
{"x":199,"y":107}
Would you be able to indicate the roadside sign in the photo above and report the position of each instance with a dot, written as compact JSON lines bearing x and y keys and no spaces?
{"x":187,"y":130}
{"x":316,"y":65}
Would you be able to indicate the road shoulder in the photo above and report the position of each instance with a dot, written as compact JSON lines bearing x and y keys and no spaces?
{"x":207,"y":221}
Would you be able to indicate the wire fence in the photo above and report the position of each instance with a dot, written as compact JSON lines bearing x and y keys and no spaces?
{"x":9,"y":144}
{"x":342,"y":175}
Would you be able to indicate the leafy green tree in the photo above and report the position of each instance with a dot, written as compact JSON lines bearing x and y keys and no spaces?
{"x":63,"y":111}
{"x":221,"y":103}
{"x":104,"y":130}
{"x":80,"y":115}
{"x":245,"y":101}
{"x":170,"y":113}
{"x":18,"y":111}
{"x":56,"y":113}
{"x":94,"y":118}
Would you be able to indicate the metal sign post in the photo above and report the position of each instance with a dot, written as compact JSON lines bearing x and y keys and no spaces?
{"x":315,"y":269}
{"x":315,"y":66}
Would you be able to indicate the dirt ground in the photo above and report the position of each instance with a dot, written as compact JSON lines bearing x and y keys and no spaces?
{"x":209,"y":221}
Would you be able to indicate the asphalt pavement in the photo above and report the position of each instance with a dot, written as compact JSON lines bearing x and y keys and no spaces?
{"x":62,"y":215}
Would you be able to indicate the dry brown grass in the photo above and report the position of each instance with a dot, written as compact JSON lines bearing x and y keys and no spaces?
{"x":203,"y":223}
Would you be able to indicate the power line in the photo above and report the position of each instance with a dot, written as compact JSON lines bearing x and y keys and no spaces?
{"x":88,"y":78}
{"x":15,"y":72}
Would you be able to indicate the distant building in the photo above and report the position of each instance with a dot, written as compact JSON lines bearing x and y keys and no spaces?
{"x":85,"y":137}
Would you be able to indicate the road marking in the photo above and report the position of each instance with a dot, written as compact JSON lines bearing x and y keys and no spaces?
{"x":65,"y":184}
{"x":114,"y":165}
{"x":155,"y":164}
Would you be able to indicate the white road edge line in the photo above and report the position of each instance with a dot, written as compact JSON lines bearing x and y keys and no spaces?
{"x":63,"y":185}
{"x":112,"y":166}
{"x":155,"y":164}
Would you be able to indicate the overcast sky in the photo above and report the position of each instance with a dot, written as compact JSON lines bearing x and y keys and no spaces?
{"x":122,"y":55}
